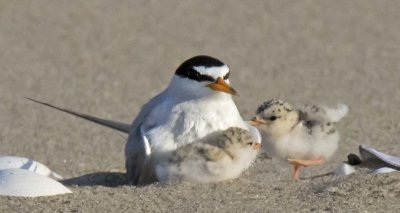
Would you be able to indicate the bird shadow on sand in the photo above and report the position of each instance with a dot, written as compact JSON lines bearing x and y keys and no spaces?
{"x":108,"y":179}
{"x":317,"y":176}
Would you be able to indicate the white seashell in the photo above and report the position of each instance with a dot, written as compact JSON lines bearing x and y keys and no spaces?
{"x":344,"y":169}
{"x":371,"y":153}
{"x":383,"y":170}
{"x":14,"y":162}
{"x":24,"y":183}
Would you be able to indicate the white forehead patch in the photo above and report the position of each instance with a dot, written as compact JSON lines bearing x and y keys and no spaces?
{"x":214,"y":72}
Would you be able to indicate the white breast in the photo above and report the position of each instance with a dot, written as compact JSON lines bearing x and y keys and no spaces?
{"x":299,"y":144}
{"x":191,"y":120}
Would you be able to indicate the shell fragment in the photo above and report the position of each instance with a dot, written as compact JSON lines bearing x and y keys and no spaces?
{"x":372,"y":160}
{"x":371,"y":153}
{"x":25,"y":183}
{"x":14,"y":162}
{"x":344,"y":169}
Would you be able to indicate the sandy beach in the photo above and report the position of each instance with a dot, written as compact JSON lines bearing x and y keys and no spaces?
{"x":107,"y":58}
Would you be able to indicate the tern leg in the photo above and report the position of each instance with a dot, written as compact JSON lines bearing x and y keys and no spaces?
{"x":298,"y":164}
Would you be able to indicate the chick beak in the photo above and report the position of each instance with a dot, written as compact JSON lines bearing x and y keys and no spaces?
{"x":222,"y":86}
{"x":257,"y":146}
{"x":255,"y":122}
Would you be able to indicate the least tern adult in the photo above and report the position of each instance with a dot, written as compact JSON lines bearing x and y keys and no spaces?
{"x":304,"y":136}
{"x":197,"y":102}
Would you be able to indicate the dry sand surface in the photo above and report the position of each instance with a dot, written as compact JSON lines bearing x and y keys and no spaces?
{"x":107,"y":58}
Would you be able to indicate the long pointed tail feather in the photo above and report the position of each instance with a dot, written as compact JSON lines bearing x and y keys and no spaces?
{"x":119,"y":126}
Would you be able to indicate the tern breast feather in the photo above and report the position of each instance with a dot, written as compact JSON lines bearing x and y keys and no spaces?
{"x":191,"y":120}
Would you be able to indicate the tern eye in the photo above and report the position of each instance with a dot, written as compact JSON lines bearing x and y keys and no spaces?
{"x":206,"y":78}
{"x":227,"y":75}
{"x":195,"y":75}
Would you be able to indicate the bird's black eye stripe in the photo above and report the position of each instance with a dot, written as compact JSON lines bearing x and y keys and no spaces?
{"x":227,"y":75}
{"x":195,"y":75}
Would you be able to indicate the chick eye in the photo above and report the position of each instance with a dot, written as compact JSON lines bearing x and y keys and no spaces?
{"x":250,"y":143}
{"x":272,"y":118}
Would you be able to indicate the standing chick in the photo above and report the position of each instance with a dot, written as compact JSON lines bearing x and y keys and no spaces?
{"x":220,"y":156}
{"x":305,"y":136}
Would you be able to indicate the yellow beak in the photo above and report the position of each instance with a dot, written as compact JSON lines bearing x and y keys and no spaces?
{"x":257,"y":146}
{"x":222,"y":86}
{"x":255,"y":122}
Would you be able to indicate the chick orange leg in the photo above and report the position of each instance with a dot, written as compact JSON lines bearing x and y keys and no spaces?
{"x":297,"y":164}
{"x":296,"y":171}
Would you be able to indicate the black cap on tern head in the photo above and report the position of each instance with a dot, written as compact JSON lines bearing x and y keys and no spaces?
{"x":187,"y":68}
